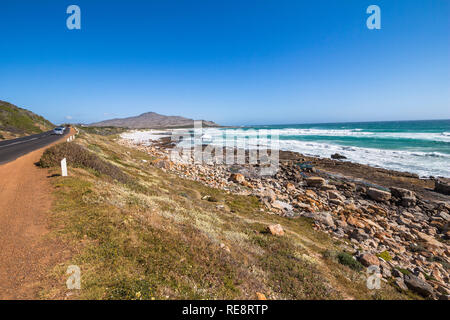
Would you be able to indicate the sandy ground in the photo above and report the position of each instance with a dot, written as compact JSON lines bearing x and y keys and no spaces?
{"x":25,"y":203}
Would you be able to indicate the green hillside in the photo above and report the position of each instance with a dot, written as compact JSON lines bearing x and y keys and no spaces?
{"x":16,"y":122}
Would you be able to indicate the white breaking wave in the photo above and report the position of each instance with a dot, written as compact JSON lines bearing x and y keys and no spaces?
{"x":145,"y":137}
{"x":291,"y":132}
{"x":422,"y":163}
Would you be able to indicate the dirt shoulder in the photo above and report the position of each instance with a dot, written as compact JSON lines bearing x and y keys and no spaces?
{"x":26,"y":199}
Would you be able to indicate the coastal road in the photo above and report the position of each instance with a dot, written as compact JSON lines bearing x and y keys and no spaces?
{"x":15,"y":148}
{"x":26,"y":197}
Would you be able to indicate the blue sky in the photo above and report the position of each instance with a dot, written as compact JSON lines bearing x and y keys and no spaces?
{"x":234,"y":62}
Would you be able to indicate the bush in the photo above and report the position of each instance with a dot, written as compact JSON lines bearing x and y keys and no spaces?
{"x":404,"y":271}
{"x":347,"y":260}
{"x":385,"y":256}
{"x":78,"y":156}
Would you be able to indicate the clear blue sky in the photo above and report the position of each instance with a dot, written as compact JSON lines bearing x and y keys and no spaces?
{"x":234,"y":62}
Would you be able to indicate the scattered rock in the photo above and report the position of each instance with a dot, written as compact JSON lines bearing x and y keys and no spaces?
{"x":277,"y":204}
{"x":442,"y":185}
{"x":162,"y":164}
{"x":401,"y":193}
{"x":260,"y":296}
{"x":325,"y":218}
{"x":315,"y":182}
{"x":276,"y":229}
{"x":237,"y":177}
{"x":431,"y":241}
{"x":338,"y":156}
{"x":290,"y":187}
{"x":372,"y":219}
{"x":225,"y":247}
{"x":399,"y":281}
{"x":332,"y":194}
{"x":368,"y":259}
{"x":444,"y":216}
{"x":378,"y":195}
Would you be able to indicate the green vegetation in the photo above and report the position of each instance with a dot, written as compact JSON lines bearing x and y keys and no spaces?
{"x":404,"y":271}
{"x":103,"y":131}
{"x":385,"y":256}
{"x":348,"y":260}
{"x":79,"y":156}
{"x":18,"y":121}
{"x":172,"y":238}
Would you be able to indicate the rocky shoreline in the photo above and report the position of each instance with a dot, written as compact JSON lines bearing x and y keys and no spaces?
{"x":395,"y":221}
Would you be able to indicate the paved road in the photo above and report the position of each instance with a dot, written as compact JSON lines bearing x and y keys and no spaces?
{"x":15,"y":148}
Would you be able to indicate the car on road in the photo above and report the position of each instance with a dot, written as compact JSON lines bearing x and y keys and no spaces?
{"x":58,"y":131}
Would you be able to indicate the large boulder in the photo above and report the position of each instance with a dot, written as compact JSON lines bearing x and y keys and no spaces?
{"x":338,"y":156}
{"x":237,"y":177}
{"x":276,"y":229}
{"x":418,"y":285}
{"x":407,"y":197}
{"x":378,"y":195}
{"x":315,"y":182}
{"x":401,"y":193}
{"x":442,"y":185}
{"x":335,"y":195}
{"x":429,"y":240}
{"x":324,"y":218}
{"x":368,"y":259}
{"x":281,"y":205}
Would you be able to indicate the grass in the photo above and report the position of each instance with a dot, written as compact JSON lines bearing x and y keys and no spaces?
{"x":20,"y":121}
{"x":104,"y":131}
{"x":161,"y":240}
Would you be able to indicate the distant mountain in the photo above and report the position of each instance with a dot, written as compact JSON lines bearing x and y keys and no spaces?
{"x":151,"y":120}
{"x":17,"y":122}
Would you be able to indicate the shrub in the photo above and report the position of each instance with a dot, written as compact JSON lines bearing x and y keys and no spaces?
{"x":385,"y":256}
{"x":347,"y":260}
{"x":404,"y":271}
{"x":78,"y":156}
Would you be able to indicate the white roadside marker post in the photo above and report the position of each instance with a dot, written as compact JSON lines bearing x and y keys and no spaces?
{"x":64,"y":167}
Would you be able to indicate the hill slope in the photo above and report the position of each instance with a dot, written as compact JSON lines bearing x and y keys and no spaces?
{"x":17,"y":122}
{"x":151,"y":120}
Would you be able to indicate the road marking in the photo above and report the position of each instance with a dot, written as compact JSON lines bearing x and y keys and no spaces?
{"x":18,"y":142}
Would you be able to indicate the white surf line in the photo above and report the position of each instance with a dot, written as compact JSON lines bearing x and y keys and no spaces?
{"x":18,"y":142}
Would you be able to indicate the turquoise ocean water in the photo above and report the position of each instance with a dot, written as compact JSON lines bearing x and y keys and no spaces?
{"x":421,"y":147}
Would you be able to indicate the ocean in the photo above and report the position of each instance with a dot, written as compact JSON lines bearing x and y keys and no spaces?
{"x":421,"y":147}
